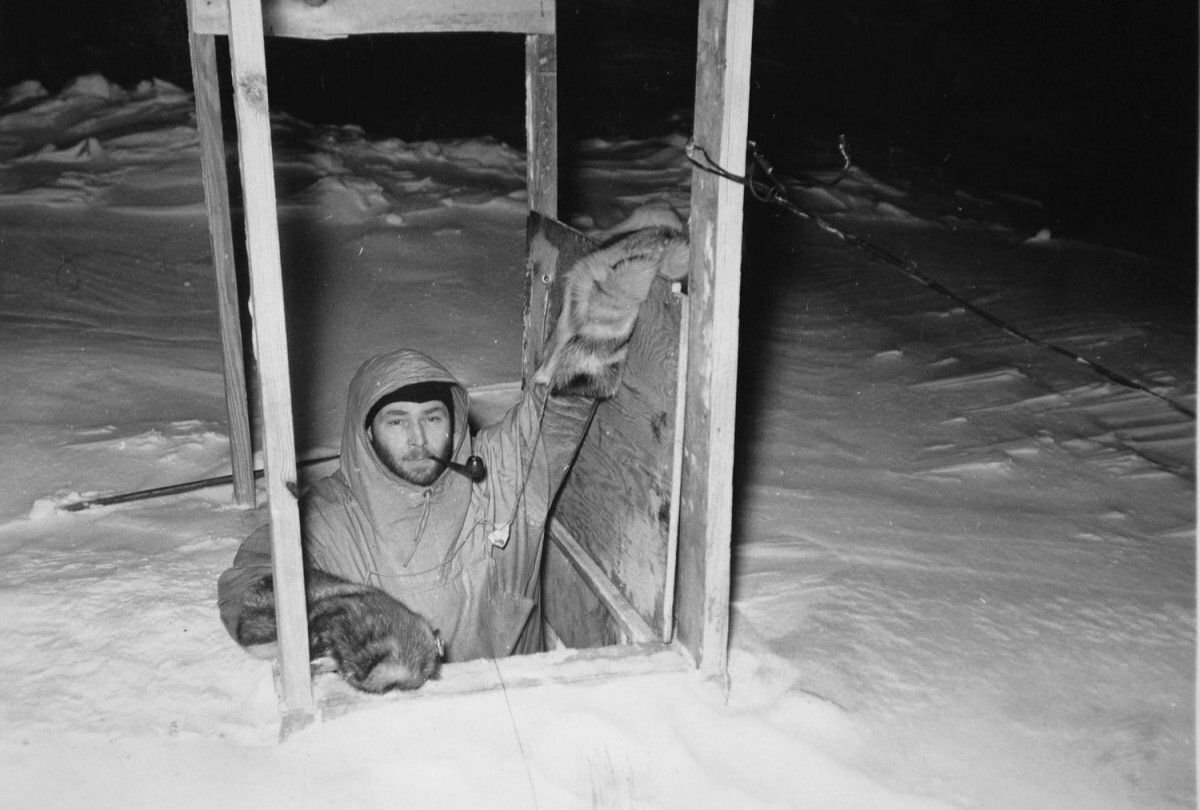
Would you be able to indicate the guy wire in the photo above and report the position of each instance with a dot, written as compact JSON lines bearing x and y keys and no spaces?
{"x":776,"y":193}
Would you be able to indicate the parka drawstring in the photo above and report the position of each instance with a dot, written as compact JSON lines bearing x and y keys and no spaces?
{"x":370,"y":544}
{"x":426,"y":497}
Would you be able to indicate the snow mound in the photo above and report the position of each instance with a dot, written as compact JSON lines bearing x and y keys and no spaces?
{"x":964,"y":567}
{"x":95,"y":86}
{"x":21,"y":93}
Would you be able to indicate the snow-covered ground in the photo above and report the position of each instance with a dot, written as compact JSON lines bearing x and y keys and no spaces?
{"x":964,"y":568}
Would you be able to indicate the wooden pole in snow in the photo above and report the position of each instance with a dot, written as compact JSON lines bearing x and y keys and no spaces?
{"x":270,"y":340}
{"x":216,"y":197}
{"x":714,"y":289}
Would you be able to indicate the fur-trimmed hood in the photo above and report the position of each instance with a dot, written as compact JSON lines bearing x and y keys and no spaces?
{"x":400,"y":513}
{"x":429,"y":547}
{"x":375,"y":379}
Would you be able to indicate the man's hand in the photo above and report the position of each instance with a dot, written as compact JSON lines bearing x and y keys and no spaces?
{"x":374,"y":642}
{"x":602,"y":294}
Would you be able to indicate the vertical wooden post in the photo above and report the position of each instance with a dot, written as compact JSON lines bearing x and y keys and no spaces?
{"x":668,"y":626}
{"x":541,"y":123}
{"x":721,"y":113}
{"x":216,"y":199}
{"x":270,"y":341}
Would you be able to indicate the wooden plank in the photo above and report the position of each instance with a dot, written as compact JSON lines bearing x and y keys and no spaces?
{"x":216,"y":200}
{"x":570,"y":608}
{"x":563,"y":666}
{"x":722,"y":106}
{"x":630,"y":622}
{"x":668,"y":620}
{"x":342,"y":18}
{"x":270,"y":340}
{"x":617,"y":500}
{"x":541,"y":123}
{"x":551,"y":250}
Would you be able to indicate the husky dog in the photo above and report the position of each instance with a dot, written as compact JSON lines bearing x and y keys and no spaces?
{"x":602,"y":293}
{"x":373,"y":641}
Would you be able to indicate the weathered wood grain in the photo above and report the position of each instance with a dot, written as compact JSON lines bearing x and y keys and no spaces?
{"x":341,"y":18}
{"x":631,"y":625}
{"x":667,"y":628}
{"x":216,"y":198}
{"x":541,"y":123}
{"x":714,"y":288}
{"x":270,"y":340}
{"x":570,"y":606}
{"x":617,"y":499}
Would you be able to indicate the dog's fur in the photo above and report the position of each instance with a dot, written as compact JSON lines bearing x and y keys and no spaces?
{"x":373,"y":641}
{"x":602,"y":294}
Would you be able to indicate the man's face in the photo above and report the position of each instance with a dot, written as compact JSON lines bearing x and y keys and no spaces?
{"x":405,"y":434}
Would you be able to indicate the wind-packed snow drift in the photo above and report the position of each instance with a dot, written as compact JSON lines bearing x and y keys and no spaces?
{"x":964,"y":567}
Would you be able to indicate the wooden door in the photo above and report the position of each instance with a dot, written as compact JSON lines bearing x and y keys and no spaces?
{"x":609,"y":571}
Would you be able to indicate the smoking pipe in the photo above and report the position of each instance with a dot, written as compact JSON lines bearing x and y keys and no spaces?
{"x":473,"y":468}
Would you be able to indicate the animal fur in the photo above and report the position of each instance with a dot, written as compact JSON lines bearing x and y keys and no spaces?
{"x":602,"y":293}
{"x":373,"y":641}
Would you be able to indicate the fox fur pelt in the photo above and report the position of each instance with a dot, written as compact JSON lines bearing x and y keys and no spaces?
{"x":602,"y":293}
{"x":373,"y":641}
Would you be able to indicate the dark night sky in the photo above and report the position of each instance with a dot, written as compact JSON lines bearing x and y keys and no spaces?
{"x":1089,"y":106}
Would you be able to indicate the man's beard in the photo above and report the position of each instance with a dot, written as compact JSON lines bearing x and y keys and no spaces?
{"x":417,"y":470}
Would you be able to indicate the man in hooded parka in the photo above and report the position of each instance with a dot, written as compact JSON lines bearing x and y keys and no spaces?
{"x":466,"y":556}
{"x":463,"y":555}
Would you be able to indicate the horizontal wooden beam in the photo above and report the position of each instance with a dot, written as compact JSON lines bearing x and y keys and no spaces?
{"x":333,"y":19}
{"x":337,"y":698}
{"x":633,"y":626}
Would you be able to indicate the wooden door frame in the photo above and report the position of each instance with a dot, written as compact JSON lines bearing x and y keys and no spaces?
{"x":721,"y":111}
